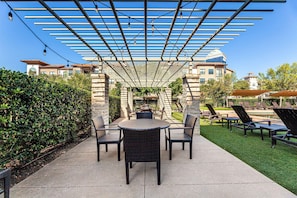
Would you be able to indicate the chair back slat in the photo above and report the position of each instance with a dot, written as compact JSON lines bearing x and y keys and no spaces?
{"x":242,"y":114}
{"x":289,"y":118}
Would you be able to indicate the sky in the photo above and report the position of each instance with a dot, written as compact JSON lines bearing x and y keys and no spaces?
{"x":270,"y":43}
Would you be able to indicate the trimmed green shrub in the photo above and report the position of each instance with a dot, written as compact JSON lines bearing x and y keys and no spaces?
{"x":36,"y":114}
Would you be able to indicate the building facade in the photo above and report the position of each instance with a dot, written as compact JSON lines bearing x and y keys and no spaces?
{"x":213,"y":68}
{"x":252,"y":80}
{"x":37,"y":67}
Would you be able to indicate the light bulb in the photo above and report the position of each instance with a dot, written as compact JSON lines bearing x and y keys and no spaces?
{"x":10,"y":17}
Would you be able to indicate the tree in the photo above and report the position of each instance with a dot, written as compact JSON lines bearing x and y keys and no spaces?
{"x":283,"y":78}
{"x":116,"y":91}
{"x":176,"y":87}
{"x":217,"y":90}
{"x":241,"y":84}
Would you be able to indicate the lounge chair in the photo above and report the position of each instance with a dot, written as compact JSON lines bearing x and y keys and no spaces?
{"x":275,"y":105}
{"x":248,"y":124}
{"x":289,"y":118}
{"x":214,"y":115}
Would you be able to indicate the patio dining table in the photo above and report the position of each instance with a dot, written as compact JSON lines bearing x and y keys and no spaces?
{"x":143,"y":124}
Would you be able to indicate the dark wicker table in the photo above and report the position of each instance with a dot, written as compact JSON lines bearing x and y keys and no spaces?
{"x":142,"y":124}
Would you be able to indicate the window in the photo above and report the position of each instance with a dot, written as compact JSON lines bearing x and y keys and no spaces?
{"x":202,"y":80}
{"x":219,"y":72}
{"x":52,"y":73}
{"x":202,"y":71}
{"x":210,"y":71}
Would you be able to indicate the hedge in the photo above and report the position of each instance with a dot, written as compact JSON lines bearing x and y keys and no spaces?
{"x":36,"y":114}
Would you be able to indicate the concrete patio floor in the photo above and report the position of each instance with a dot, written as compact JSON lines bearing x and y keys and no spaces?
{"x":212,"y":172}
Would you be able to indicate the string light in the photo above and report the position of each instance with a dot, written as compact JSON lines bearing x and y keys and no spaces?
{"x":44,"y":51}
{"x":181,"y":13}
{"x":153,"y":27}
{"x":129,"y":23}
{"x":67,"y":63}
{"x":10,"y":17}
{"x":96,"y":8}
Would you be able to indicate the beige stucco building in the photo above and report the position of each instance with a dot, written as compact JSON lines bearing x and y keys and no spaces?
{"x":37,"y":67}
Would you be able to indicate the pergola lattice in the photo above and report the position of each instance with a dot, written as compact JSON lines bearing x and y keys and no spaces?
{"x":146,"y":43}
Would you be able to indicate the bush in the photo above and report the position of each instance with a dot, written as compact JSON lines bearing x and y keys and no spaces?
{"x":36,"y":114}
{"x":114,"y":108}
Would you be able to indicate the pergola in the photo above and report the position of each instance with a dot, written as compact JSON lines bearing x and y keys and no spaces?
{"x":285,"y":93}
{"x":248,"y":92}
{"x":143,"y":43}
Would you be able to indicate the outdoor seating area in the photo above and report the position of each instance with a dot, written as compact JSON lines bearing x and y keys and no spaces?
{"x":148,"y":102}
{"x":180,"y":177}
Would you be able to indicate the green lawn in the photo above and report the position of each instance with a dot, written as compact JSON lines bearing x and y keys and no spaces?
{"x":279,"y":163}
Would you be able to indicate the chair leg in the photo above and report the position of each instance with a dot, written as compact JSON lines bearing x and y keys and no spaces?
{"x":170,"y":150}
{"x":190,"y":150}
{"x":127,"y":172}
{"x":119,"y":151}
{"x":165,"y":143}
{"x":106,"y":147}
{"x":159,"y":171}
{"x":98,"y":152}
{"x":183,"y":146}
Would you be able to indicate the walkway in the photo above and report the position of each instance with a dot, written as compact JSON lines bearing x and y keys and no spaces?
{"x":212,"y":172}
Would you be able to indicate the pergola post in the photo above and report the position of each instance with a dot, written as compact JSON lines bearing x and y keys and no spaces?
{"x":191,"y":97}
{"x":100,"y":97}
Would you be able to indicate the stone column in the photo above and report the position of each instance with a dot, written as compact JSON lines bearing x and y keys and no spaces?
{"x":100,"y":97}
{"x":130,"y":100}
{"x":165,"y":100}
{"x":191,"y":97}
{"x":124,"y":102}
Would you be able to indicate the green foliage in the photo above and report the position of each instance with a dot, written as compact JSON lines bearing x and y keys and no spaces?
{"x":77,"y":81}
{"x":36,"y":114}
{"x":283,"y":77}
{"x":117,"y":90}
{"x":217,"y":90}
{"x":279,"y":164}
{"x":143,"y":91}
{"x":114,"y":108}
{"x":241,"y":85}
{"x":176,"y":87}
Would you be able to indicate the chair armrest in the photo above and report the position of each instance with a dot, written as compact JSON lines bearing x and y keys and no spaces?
{"x":174,"y":128}
{"x":108,"y":129}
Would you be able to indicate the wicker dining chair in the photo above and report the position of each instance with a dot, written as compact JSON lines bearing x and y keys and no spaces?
{"x":182,"y":135}
{"x":144,"y":115}
{"x":102,"y":137}
{"x":142,"y":146}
